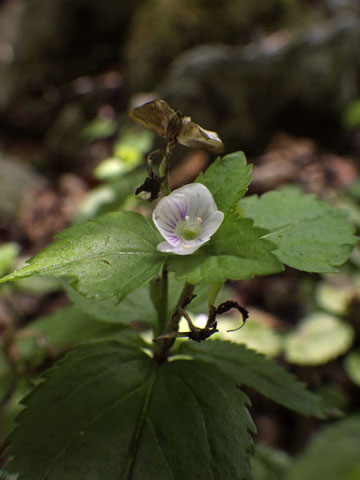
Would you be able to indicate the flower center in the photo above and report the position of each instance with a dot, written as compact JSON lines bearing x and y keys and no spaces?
{"x":189,"y":229}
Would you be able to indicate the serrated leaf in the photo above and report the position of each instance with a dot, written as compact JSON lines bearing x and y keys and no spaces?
{"x":237,"y":251}
{"x":319,"y":338}
{"x":108,"y":412}
{"x":260,"y":373}
{"x":12,"y":407}
{"x":309,"y":234}
{"x":332,"y":455}
{"x":228,"y":179}
{"x":105,"y":258}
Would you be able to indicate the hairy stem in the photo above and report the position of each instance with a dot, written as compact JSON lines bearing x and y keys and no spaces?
{"x":164,"y":345}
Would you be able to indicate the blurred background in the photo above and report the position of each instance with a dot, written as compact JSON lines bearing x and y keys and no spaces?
{"x":279,"y":79}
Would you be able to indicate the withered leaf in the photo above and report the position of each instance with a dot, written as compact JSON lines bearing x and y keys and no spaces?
{"x":152,"y":185}
{"x":154,"y":115}
{"x":192,"y":135}
{"x":159,"y":117}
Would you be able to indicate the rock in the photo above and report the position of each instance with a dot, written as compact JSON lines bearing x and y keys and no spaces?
{"x":162,"y":29}
{"x":300,"y":81}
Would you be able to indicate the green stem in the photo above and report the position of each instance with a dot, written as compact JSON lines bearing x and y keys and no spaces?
{"x":163,"y":306}
{"x":164,"y":345}
{"x":214,"y":289}
{"x":164,"y":167}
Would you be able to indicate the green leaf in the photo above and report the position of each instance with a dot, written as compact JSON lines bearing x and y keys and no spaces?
{"x":351,"y":115}
{"x":105,"y":258}
{"x":8,"y":253}
{"x":7,"y":375}
{"x":332,"y":455}
{"x":228,"y":179}
{"x":352,"y":366}
{"x":336,"y":295}
{"x":235,"y":252}
{"x":335,"y":395}
{"x":52,"y":335}
{"x":37,"y":285}
{"x":108,"y":412}
{"x":137,"y":306}
{"x":257,"y":335}
{"x":260,"y":373}
{"x":69,"y":326}
{"x":319,"y":338}
{"x":309,"y":234}
{"x":12,"y":407}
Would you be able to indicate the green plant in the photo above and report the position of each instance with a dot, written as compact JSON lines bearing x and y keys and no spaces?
{"x":119,"y":407}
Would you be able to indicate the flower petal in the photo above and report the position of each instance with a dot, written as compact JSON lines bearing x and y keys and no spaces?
{"x":188,"y":212}
{"x":211,"y":224}
{"x":168,"y":213}
{"x":201,"y":201}
{"x":182,"y":250}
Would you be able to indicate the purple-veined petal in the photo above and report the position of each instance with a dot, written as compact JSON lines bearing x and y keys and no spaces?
{"x":186,"y":219}
{"x":201,"y":202}
{"x":168,"y":213}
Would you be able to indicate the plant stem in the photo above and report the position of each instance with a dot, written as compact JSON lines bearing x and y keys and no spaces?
{"x":214,"y":290}
{"x":164,"y":167}
{"x":164,"y":345}
{"x":163,"y":305}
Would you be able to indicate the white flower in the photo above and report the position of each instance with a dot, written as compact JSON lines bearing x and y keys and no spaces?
{"x":187,"y":218}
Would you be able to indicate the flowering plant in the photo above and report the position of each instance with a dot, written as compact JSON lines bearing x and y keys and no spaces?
{"x":121,"y":407}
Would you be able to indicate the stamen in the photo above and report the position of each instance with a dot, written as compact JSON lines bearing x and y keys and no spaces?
{"x":187,"y":218}
{"x":199,"y":220}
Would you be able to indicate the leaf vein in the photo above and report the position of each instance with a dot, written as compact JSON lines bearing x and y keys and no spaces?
{"x":95,"y":419}
{"x":202,"y":418}
{"x":160,"y":447}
